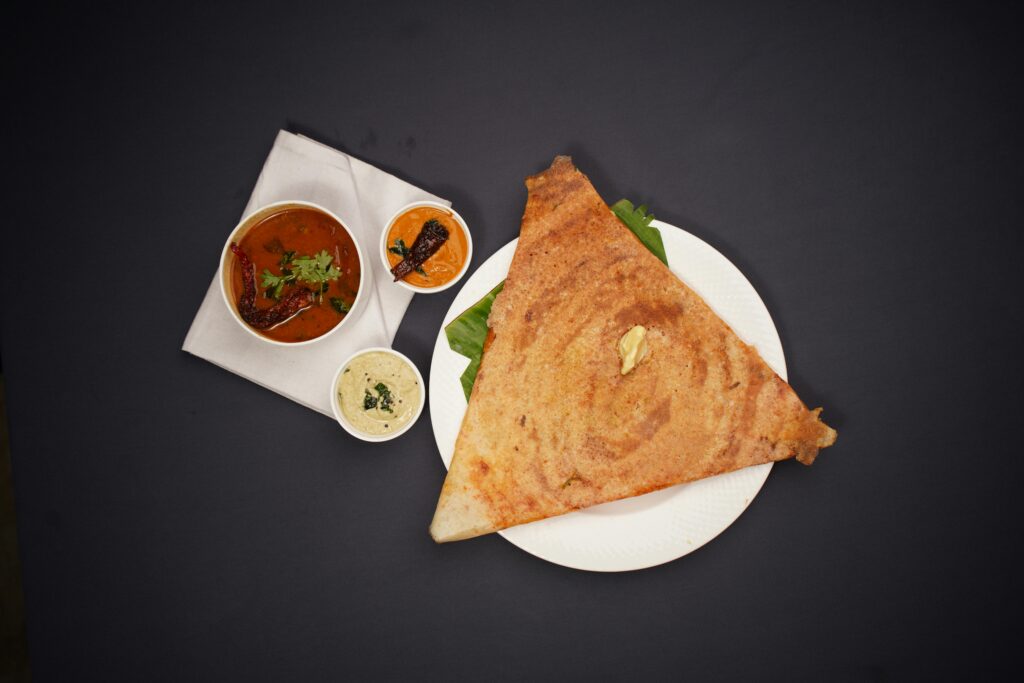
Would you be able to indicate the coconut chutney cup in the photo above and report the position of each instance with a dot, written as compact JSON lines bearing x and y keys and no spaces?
{"x":377,"y":394}
{"x":273,"y":238}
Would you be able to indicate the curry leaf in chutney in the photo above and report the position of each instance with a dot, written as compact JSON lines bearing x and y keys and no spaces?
{"x":400,"y":249}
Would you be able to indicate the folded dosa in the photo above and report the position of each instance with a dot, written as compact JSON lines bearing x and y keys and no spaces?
{"x":553,"y":425}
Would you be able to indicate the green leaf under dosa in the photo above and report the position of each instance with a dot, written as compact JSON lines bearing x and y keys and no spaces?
{"x":467,"y":333}
{"x":639,"y":222}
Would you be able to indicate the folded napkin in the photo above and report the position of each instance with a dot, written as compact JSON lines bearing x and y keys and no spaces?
{"x":363,"y":197}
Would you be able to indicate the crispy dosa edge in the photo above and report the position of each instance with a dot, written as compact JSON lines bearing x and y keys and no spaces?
{"x":460,"y":514}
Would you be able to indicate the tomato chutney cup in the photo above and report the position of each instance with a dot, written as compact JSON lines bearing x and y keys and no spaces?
{"x":445,"y":267}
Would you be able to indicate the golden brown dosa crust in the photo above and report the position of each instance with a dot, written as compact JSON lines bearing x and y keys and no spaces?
{"x":552,"y":425}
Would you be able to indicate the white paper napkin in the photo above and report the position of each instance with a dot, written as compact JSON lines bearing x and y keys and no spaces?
{"x":363,"y":197}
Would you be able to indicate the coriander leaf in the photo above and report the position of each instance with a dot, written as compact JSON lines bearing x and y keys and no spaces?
{"x":323,"y":260}
{"x":274,"y":284}
{"x":269,"y":279}
{"x":275,"y":292}
{"x":304,"y":266}
{"x":315,"y":269}
{"x":339,"y":305}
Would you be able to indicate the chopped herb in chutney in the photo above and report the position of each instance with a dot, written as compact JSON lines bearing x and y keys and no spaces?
{"x":382,"y":401}
{"x":385,"y":396}
{"x":369,"y":401}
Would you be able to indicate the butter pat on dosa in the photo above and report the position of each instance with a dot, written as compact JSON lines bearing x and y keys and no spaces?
{"x":554,"y":425}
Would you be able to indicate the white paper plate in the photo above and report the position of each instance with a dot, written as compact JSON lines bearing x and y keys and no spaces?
{"x":657,"y":527}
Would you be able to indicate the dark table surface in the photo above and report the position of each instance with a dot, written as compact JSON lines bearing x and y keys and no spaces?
{"x":859,"y":162}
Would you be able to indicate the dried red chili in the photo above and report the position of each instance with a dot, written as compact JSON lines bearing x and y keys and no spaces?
{"x":426,"y":244}
{"x":292,"y":303}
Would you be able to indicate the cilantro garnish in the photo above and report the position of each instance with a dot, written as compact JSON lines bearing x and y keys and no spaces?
{"x":313,"y":270}
{"x":275,"y":283}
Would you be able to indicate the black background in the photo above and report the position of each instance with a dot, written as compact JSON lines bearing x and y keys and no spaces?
{"x":860,"y":163}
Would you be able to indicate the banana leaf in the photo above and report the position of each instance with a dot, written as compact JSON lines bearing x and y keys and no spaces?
{"x":639,"y":222}
{"x":466,"y":335}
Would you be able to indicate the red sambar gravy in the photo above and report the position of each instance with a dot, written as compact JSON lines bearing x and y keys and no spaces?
{"x":304,"y":232}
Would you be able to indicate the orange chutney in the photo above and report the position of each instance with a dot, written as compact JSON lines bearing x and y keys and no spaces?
{"x":446,"y":263}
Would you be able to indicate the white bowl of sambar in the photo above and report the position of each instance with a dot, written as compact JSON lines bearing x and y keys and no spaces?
{"x":292,"y":274}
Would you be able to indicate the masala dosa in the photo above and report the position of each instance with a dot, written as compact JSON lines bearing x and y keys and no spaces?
{"x":553,"y":426}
